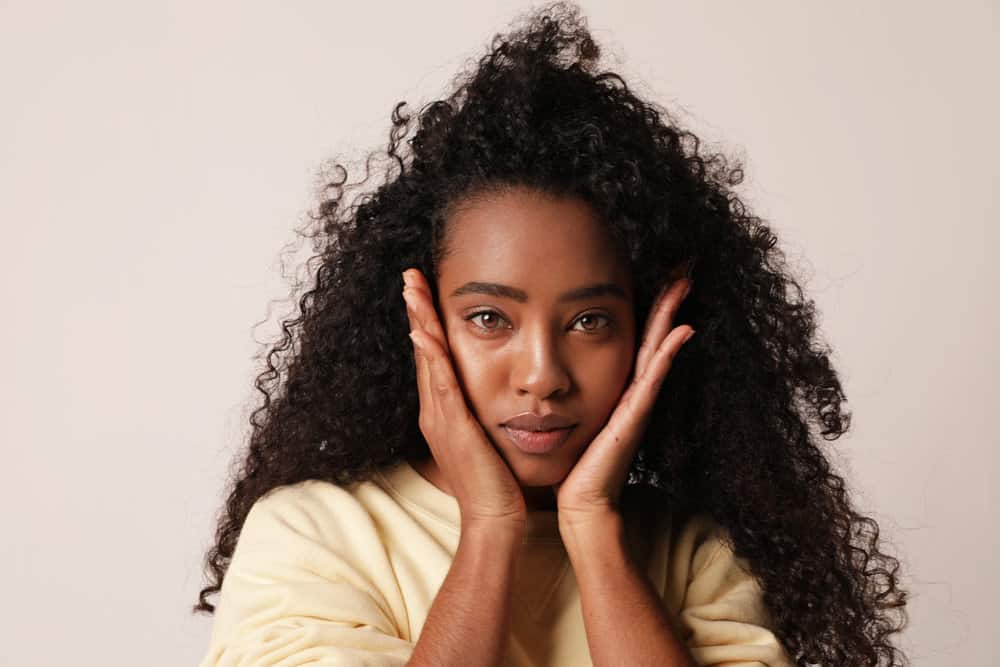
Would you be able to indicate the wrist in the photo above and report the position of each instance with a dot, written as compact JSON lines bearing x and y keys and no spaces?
{"x":494,"y":530}
{"x":577,"y":529}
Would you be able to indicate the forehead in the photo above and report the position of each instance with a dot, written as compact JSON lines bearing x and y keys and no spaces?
{"x":530,"y":240}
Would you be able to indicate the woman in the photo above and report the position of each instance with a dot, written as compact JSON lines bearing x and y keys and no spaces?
{"x":553,"y":471}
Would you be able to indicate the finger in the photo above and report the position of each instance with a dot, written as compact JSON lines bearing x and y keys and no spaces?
{"x":411,"y":314}
{"x":620,"y":437}
{"x":423,"y":371}
{"x":428,"y":407}
{"x":663,"y":358}
{"x":419,"y":299}
{"x":659,"y":321}
{"x":638,"y":400}
{"x":420,"y":361}
{"x":441,"y":382}
{"x":411,"y":317}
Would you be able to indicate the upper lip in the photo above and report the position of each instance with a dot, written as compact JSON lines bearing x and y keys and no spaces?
{"x":530,"y":421}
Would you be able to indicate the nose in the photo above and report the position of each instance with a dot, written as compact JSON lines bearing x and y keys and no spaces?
{"x":538,"y":368}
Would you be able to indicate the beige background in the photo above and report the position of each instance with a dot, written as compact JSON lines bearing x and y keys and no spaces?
{"x":155,"y":157}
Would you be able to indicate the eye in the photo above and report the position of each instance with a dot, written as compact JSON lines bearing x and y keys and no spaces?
{"x":588,"y":320}
{"x":490,"y":319}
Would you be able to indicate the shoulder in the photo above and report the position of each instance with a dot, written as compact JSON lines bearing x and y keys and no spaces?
{"x":302,"y":501}
{"x":697,"y":541}
{"x":721,"y":606}
{"x":312,"y":512}
{"x":310,"y":577}
{"x":308,"y":497}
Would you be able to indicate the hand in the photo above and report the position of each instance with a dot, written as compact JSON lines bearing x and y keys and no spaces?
{"x":593,"y":487}
{"x":480,"y":479}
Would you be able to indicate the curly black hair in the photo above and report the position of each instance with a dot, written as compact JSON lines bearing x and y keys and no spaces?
{"x":734,"y":440}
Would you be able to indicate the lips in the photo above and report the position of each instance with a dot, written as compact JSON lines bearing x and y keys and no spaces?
{"x":538,"y":442}
{"x":530,"y":421}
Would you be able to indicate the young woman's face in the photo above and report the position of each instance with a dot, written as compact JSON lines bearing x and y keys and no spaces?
{"x":538,"y":311}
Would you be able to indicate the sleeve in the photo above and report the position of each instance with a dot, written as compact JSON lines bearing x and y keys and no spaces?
{"x":295,"y":595}
{"x":723,"y":616}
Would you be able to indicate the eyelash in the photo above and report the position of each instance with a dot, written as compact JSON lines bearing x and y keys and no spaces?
{"x":476,"y":314}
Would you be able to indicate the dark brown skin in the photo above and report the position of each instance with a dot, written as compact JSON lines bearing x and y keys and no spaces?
{"x":573,"y":358}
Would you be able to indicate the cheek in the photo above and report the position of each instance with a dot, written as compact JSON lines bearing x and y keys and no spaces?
{"x":476,"y":369}
{"x":603,"y":376}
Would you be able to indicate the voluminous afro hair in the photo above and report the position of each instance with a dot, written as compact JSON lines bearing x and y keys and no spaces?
{"x":748,"y":403}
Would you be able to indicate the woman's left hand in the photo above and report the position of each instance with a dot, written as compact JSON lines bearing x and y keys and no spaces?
{"x":593,"y":487}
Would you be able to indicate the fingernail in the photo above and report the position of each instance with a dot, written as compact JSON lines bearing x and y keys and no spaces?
{"x":409,"y":304}
{"x":688,"y":337}
{"x":406,"y":278}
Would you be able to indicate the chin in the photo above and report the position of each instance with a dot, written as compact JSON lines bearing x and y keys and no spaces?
{"x":539,"y":472}
{"x":530,"y":470}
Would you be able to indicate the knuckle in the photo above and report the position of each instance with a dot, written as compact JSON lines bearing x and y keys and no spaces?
{"x":424,"y":423}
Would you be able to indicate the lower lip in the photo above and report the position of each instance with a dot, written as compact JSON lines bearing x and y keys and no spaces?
{"x":538,"y":442}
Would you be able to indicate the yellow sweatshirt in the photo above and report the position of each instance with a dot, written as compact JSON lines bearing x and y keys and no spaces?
{"x":325,"y":575}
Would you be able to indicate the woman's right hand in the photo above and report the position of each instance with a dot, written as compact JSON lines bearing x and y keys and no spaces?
{"x":480,"y":479}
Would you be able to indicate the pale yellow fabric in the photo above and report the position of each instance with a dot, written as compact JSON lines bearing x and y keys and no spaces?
{"x":324,"y":575}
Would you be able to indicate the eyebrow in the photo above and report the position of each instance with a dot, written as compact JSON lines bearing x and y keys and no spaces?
{"x":587,"y":292}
